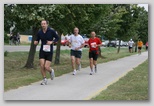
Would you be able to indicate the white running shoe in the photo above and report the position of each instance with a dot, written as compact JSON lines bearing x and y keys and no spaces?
{"x":91,"y":73}
{"x":74,"y":72}
{"x":44,"y":82}
{"x":52,"y":74}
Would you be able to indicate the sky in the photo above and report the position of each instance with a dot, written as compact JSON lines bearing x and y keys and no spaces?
{"x":144,"y":5}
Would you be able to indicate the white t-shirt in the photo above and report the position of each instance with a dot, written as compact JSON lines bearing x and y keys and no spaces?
{"x":76,"y":41}
{"x":130,"y":43}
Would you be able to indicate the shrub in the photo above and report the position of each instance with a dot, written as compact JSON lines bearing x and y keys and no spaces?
{"x":6,"y":38}
{"x":6,"y":53}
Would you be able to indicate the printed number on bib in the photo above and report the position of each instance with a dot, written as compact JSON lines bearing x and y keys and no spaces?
{"x":93,"y":45}
{"x":46,"y":48}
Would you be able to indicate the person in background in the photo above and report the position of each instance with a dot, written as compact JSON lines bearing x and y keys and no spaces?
{"x":130,"y":45}
{"x":11,"y":38}
{"x":140,"y":44}
{"x":18,"y":37}
{"x":146,"y":45}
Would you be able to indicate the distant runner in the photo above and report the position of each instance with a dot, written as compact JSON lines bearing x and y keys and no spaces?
{"x":140,"y":44}
{"x":94,"y":43}
{"x":130,"y":45}
{"x":146,"y":45}
{"x":46,"y":35}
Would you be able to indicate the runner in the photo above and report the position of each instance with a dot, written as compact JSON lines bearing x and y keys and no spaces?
{"x":76,"y":43}
{"x":46,"y":36}
{"x":130,"y":44}
{"x":146,"y":46}
{"x":140,"y":44}
{"x":94,"y":43}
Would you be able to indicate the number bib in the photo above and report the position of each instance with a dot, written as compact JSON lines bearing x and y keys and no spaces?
{"x":46,"y":48}
{"x":93,"y":45}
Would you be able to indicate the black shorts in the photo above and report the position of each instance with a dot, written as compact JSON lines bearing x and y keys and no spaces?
{"x":130,"y":47}
{"x":46,"y":55}
{"x":139,"y":48}
{"x":93,"y":54}
{"x":77,"y":54}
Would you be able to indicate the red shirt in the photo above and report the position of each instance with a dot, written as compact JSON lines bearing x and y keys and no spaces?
{"x":146,"y":44}
{"x":93,"y":43}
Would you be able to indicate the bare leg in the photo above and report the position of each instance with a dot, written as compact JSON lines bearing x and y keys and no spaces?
{"x":42,"y":66}
{"x":95,"y":64}
{"x":47,"y":65}
{"x":73,"y":62}
{"x":91,"y":64}
{"x":78,"y":63}
{"x":49,"y":69}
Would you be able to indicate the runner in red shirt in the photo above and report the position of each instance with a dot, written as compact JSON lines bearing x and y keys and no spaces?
{"x":93,"y":42}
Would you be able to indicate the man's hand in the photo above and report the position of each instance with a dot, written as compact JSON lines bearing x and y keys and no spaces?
{"x":69,"y":46}
{"x":35,"y":42}
{"x":49,"y":42}
{"x":77,"y":48}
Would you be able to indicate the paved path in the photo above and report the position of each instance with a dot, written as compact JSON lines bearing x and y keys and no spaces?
{"x":13,"y":48}
{"x":79,"y":87}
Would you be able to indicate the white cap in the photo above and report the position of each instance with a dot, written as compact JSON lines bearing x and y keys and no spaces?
{"x":131,"y":39}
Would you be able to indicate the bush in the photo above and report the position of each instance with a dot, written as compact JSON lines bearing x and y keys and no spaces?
{"x":6,"y":38}
{"x":6,"y":53}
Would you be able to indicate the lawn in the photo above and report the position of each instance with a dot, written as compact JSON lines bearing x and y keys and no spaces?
{"x":15,"y":75}
{"x":133,"y":86}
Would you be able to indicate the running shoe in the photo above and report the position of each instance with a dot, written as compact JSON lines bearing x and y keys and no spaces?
{"x":52,"y":74}
{"x":44,"y":82}
{"x":74,"y":72}
{"x":92,"y":72}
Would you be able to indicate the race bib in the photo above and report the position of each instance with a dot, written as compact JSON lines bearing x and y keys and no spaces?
{"x":46,"y":48}
{"x":93,"y":45}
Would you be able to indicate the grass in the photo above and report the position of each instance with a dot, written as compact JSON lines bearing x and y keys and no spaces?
{"x":22,"y":43}
{"x":133,"y":86}
{"x":15,"y":75}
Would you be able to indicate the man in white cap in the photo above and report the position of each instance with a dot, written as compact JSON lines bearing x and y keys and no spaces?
{"x":130,"y":45}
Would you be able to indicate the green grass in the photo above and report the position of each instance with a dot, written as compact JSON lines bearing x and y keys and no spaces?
{"x":15,"y":75}
{"x":22,"y":43}
{"x":133,"y":86}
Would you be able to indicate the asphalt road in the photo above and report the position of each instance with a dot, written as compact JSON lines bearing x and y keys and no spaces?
{"x":12,"y":48}
{"x":81,"y":86}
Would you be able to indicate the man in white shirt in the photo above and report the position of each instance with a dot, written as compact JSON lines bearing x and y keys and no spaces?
{"x":76,"y":44}
{"x":130,"y":44}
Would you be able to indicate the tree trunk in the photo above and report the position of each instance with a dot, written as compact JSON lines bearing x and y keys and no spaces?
{"x":30,"y":60}
{"x":100,"y":52}
{"x":119,"y":46}
{"x":57,"y":57}
{"x":136,"y":47}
